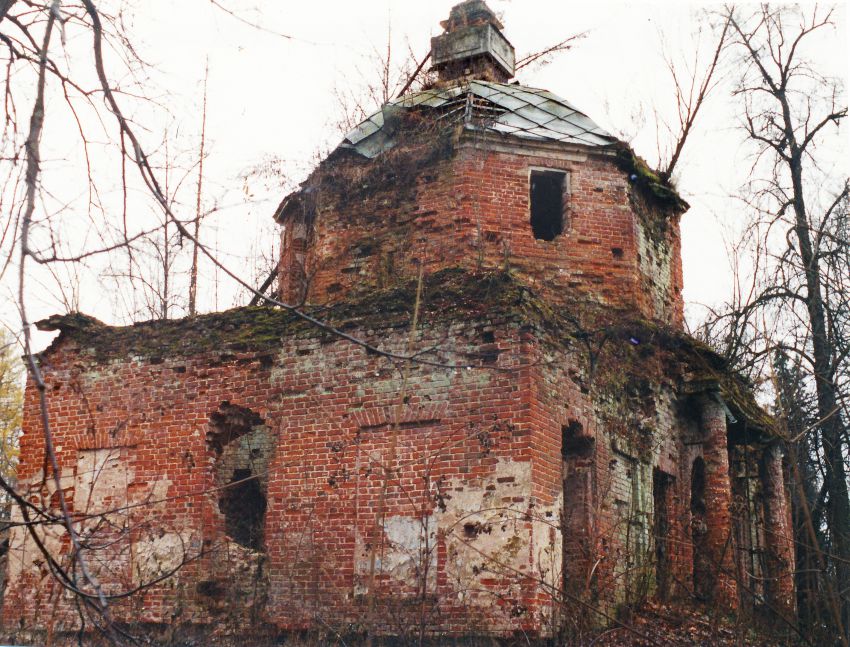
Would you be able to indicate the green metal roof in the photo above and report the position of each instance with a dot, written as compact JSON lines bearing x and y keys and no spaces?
{"x":509,"y":109}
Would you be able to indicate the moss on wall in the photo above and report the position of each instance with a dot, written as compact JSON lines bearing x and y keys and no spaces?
{"x":624,"y":354}
{"x":655,"y":189}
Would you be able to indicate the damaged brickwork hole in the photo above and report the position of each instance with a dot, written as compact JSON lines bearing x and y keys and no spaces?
{"x":473,"y":529}
{"x":574,"y":442}
{"x":241,"y":446}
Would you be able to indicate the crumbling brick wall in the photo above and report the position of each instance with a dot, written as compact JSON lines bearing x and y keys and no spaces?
{"x":631,"y":440}
{"x":444,"y":199}
{"x":397,"y":497}
{"x":514,"y":481}
{"x":614,"y":442}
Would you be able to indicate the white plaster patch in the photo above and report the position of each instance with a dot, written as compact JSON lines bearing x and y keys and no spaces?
{"x":98,"y":493}
{"x":24,"y":555}
{"x":157,"y":554}
{"x":408,"y":554}
{"x":548,"y":543}
{"x":413,"y":548}
{"x":101,"y":481}
{"x":487,"y":530}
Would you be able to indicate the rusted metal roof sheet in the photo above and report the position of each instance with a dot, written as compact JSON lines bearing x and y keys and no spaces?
{"x":510,"y":109}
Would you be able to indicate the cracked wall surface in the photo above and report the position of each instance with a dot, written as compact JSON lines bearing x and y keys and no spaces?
{"x":449,"y":201}
{"x":249,"y":469}
{"x":483,"y":500}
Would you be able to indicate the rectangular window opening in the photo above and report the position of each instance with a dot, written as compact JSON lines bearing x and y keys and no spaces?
{"x":547,"y":192}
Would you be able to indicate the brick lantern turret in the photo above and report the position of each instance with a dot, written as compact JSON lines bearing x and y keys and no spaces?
{"x":472,"y":46}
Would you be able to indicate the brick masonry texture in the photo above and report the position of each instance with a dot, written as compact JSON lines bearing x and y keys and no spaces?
{"x":565,"y":450}
{"x":462,"y":204}
{"x":422,"y":464}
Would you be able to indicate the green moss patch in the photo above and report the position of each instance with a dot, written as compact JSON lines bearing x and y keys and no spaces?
{"x":655,"y":189}
{"x":623,"y":351}
{"x":449,"y":295}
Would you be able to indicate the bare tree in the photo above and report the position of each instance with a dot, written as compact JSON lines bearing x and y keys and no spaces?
{"x":692,"y":91}
{"x":30,"y":35}
{"x":794,"y":313}
{"x":196,"y":224}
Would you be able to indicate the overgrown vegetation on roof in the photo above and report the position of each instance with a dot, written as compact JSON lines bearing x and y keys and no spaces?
{"x":628,"y":345}
{"x":657,"y":190}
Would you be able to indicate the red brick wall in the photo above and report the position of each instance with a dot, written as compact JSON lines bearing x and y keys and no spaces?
{"x":599,"y":488}
{"x":504,"y":492}
{"x":374,"y":221}
{"x":779,"y":534}
{"x":366,"y":451}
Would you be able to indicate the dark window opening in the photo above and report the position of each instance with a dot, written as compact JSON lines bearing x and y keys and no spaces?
{"x":662,"y":502}
{"x":577,"y":468}
{"x":699,"y":530}
{"x":472,"y":530}
{"x":698,"y":487}
{"x":574,"y":442}
{"x":244,"y":507}
{"x":547,"y":204}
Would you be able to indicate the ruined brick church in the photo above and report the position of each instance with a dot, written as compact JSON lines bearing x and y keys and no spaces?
{"x":499,"y":425}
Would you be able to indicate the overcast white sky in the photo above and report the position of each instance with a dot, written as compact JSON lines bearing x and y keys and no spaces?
{"x":272,"y":97}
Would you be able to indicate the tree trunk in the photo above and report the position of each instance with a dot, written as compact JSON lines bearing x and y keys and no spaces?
{"x":838,"y":507}
{"x":5,"y":5}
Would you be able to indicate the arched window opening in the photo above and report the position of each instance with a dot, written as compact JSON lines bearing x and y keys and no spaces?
{"x":577,"y":457}
{"x":243,"y":504}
